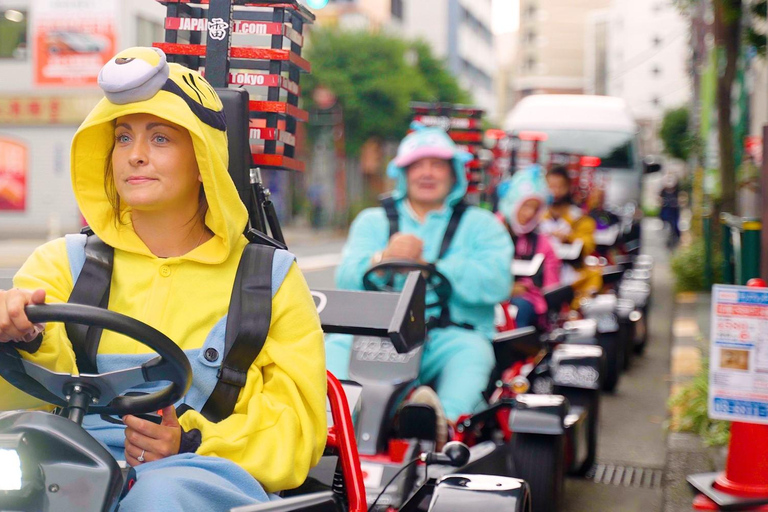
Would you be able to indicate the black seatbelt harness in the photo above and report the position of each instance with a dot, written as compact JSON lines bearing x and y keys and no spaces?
{"x":388,"y":203}
{"x":248,"y":318}
{"x":390,"y":208}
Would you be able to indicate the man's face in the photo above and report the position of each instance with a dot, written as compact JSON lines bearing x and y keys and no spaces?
{"x":559,"y":186}
{"x":429,"y":180}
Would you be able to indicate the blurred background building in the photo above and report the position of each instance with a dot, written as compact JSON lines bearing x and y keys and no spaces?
{"x":50,"y":55}
{"x":638,"y":51}
{"x":458,"y":31}
{"x":551,"y":46}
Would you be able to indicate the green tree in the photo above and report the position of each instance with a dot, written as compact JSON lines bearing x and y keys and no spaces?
{"x":375,"y":77}
{"x":674,"y":133}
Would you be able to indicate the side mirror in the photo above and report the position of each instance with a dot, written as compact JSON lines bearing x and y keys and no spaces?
{"x":651,"y":165}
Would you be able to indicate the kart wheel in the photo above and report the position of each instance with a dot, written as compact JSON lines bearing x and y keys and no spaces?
{"x":590,"y":400}
{"x":613,"y":348}
{"x":641,"y":333}
{"x":627,"y":333}
{"x":540,"y":461}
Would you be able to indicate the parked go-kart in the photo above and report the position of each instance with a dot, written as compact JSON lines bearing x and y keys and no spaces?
{"x":524,"y":435}
{"x":548,"y":359}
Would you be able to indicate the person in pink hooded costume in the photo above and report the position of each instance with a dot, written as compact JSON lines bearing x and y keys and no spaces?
{"x":523,"y":200}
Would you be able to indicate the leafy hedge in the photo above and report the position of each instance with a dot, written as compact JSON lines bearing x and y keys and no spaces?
{"x":688,"y":267}
{"x":690,"y":402}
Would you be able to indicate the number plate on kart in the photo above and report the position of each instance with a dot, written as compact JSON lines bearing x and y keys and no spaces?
{"x":606,"y":322}
{"x":372,"y":474}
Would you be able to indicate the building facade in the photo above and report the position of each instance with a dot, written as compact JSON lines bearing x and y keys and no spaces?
{"x":551,"y":46}
{"x":458,"y":31}
{"x":50,"y":54}
{"x":640,"y":52}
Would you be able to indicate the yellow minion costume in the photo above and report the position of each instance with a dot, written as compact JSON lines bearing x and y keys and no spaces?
{"x":278,"y":428}
{"x":579,"y":227}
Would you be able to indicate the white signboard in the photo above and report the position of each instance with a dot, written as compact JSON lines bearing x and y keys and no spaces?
{"x":738,"y":373}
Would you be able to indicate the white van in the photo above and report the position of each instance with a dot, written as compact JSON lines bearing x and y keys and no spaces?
{"x":597,"y":126}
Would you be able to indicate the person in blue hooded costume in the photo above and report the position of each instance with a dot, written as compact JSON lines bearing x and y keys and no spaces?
{"x":431,"y":181}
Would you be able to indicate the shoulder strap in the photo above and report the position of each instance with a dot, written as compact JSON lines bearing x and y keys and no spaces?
{"x":91,"y":289}
{"x":453,"y":224}
{"x":248,"y":320}
{"x":388,"y":203}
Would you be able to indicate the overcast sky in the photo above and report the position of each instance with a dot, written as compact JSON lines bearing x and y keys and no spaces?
{"x":505,"y":14}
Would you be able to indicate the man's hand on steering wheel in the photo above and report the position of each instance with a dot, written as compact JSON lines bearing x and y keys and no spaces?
{"x":403,"y":247}
{"x":146,"y":441}
{"x":14,"y":324}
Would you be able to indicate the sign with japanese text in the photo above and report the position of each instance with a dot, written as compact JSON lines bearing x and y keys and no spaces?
{"x":46,"y":110}
{"x":738,"y":372}
{"x":73,"y":40}
{"x":13,"y":175}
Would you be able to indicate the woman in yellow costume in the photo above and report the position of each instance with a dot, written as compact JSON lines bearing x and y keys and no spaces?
{"x":149,"y":171}
{"x":566,"y":223}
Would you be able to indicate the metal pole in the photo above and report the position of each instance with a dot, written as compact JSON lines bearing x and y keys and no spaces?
{"x":728,"y":270}
{"x":764,"y":205}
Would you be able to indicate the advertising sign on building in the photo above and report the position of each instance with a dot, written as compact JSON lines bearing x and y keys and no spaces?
{"x":13,"y":175}
{"x":738,"y":372}
{"x":73,"y":39}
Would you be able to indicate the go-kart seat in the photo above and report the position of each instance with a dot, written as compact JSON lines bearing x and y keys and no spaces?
{"x":516,"y":345}
{"x":612,"y":274}
{"x":557,"y":296}
{"x":625,"y":260}
{"x":511,"y":347}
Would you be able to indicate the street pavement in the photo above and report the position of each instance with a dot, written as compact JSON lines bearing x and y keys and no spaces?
{"x":632,"y":434}
{"x":632,"y":438}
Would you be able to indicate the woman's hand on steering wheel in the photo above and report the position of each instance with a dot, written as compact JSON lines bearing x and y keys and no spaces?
{"x":14,"y":324}
{"x":146,"y":441}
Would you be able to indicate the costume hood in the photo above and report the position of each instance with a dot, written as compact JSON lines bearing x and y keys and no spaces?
{"x":528,"y":183}
{"x":425,"y":142}
{"x":140,"y":80}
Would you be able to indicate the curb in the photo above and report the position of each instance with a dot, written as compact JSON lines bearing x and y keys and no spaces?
{"x":686,"y":454}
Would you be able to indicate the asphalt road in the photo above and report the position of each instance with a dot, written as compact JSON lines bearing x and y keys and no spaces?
{"x":632,"y":433}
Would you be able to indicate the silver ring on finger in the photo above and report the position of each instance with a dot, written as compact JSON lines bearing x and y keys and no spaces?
{"x":140,"y":458}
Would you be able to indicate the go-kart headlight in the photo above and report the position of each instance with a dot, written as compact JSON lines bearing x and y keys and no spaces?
{"x":10,"y":463}
{"x":10,"y":470}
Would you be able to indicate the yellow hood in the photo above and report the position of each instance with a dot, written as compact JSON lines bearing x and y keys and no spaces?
{"x":138,"y":80}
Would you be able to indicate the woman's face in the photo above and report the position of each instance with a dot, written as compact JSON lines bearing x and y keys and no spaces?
{"x":429,"y":180}
{"x":154,"y":164}
{"x":527,"y":211}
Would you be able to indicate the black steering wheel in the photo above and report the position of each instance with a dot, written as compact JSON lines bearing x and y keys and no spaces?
{"x":380,"y":278}
{"x":103,"y":391}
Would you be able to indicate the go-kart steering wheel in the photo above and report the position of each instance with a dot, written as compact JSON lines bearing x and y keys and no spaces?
{"x":103,"y":391}
{"x":384,"y":273}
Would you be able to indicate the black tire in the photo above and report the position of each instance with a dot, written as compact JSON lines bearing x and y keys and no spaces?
{"x":590,"y":400}
{"x":613,"y":348}
{"x":627,"y":333}
{"x":641,"y":332}
{"x":539,"y":460}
